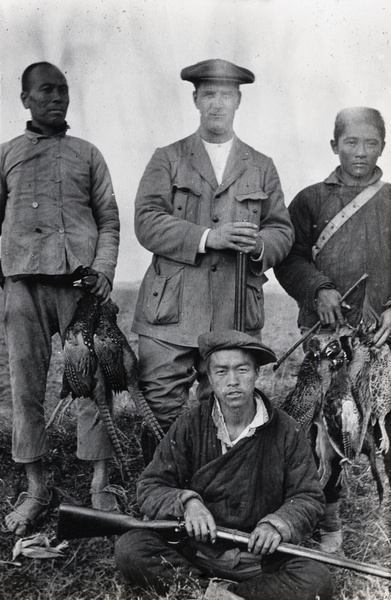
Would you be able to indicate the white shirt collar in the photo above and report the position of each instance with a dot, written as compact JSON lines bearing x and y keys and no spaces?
{"x":261,"y":417}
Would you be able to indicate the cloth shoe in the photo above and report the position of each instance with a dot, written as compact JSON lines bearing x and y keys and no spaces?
{"x":219,"y":589}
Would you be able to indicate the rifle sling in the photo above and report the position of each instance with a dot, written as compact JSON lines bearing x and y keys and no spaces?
{"x":344,"y":215}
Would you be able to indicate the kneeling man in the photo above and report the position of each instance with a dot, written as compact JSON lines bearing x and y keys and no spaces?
{"x":234,"y":461}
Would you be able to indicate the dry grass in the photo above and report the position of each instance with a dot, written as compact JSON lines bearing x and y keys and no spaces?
{"x":86,"y":571}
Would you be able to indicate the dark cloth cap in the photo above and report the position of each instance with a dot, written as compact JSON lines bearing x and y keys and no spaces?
{"x":218,"y":70}
{"x":234,"y":340}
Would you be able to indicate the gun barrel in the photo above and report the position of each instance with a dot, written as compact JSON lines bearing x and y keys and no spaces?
{"x":239,"y":537}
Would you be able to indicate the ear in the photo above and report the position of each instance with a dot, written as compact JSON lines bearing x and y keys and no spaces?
{"x":195,"y":98}
{"x":334,"y":146}
{"x":24,"y":96}
{"x":382,"y":148}
{"x":239,"y":99}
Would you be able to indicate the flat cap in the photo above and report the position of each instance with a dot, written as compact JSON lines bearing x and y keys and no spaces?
{"x":234,"y":340}
{"x":217,"y":69}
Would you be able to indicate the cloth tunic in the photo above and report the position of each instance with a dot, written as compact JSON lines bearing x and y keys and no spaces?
{"x":185,"y":293}
{"x":361,"y":245}
{"x":269,"y":477}
{"x":57,"y":207}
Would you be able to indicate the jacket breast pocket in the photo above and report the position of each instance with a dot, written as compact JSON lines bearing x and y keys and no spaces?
{"x":250,"y":206}
{"x":163,"y":295}
{"x":186,"y":199}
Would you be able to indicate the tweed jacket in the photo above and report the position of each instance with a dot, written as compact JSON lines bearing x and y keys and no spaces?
{"x":57,"y":207}
{"x":185,"y":293}
{"x":361,"y":245}
{"x":269,"y":477}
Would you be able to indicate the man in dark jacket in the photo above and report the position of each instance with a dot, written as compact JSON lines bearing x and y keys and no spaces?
{"x":200,"y":201}
{"x":235,"y":462}
{"x":342,"y":228}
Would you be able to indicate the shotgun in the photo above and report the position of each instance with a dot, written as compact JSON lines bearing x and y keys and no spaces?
{"x":80,"y":522}
{"x":240,"y":291}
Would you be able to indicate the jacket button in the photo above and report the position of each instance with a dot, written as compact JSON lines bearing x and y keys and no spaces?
{"x":61,"y":230}
{"x":155,"y":294}
{"x":215,"y":219}
{"x":218,"y":195}
{"x":35,"y":205}
{"x":38,"y":230}
{"x":214,"y":268}
{"x":179,"y":207}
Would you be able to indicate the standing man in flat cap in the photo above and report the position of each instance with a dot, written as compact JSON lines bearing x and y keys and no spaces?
{"x":200,"y":201}
{"x":234,"y":462}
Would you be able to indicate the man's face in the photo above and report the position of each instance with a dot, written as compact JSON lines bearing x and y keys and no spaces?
{"x":217,"y":103}
{"x":47,"y":98}
{"x":358,"y":148}
{"x":232,"y":375}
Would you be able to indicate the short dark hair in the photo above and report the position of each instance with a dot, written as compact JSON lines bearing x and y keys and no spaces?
{"x":369,"y":114}
{"x":27,"y":73}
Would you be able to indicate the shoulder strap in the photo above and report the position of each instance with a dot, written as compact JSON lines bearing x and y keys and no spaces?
{"x":345,"y":214}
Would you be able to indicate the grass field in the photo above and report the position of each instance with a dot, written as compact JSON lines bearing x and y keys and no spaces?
{"x":86,"y":570}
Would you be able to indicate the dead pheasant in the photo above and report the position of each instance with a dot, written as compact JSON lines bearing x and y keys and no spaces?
{"x":119,"y":362}
{"x":341,"y":416}
{"x":305,"y":400}
{"x":370,"y":371}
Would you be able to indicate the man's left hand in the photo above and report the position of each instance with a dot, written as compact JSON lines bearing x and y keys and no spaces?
{"x":384,"y":330}
{"x":264,"y":539}
{"x":101,"y":288}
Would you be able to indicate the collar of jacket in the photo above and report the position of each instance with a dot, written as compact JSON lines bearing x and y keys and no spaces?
{"x":335,"y":179}
{"x":32,"y":133}
{"x":235,"y":167}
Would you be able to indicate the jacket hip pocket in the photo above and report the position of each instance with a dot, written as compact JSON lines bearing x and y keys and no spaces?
{"x":162,"y":301}
{"x":255,"y":309}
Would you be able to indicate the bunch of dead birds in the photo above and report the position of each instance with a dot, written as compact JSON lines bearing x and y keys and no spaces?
{"x":342,"y":399}
{"x":98,"y":361}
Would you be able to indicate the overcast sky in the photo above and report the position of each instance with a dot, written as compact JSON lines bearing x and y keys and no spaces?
{"x":123,"y":58}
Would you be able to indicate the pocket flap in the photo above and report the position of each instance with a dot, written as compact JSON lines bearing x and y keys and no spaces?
{"x":257,"y":195}
{"x":185,"y":188}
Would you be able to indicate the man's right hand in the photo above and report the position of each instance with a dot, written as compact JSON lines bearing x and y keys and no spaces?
{"x":328,"y":307}
{"x":199,"y":521}
{"x":241,"y":236}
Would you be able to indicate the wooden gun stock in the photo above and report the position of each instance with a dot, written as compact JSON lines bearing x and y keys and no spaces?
{"x":79,"y":522}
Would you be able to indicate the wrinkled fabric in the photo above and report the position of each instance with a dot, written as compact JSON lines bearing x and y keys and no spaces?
{"x":146,"y":559}
{"x":269,"y":477}
{"x":33,"y":313}
{"x":57,"y":207}
{"x":361,"y":245}
{"x":185,"y":293}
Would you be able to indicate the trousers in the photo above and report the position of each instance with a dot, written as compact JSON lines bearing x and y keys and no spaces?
{"x":145,"y":558}
{"x":166,"y":374}
{"x":33,"y":313}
